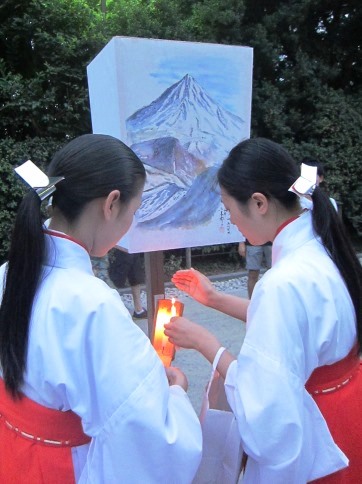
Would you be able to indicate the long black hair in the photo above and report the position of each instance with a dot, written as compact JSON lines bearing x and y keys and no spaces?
{"x":92,"y":166}
{"x":260,"y":165}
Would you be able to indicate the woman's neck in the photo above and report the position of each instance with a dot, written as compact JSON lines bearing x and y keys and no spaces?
{"x":284,"y":217}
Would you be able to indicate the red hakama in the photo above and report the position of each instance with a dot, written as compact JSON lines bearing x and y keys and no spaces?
{"x":36,"y":442}
{"x":337,"y":390}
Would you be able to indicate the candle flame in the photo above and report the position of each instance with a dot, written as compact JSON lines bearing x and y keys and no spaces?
{"x":173,"y":308}
{"x":165,"y":312}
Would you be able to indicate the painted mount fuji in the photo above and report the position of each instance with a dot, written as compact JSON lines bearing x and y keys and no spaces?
{"x":181,"y":137}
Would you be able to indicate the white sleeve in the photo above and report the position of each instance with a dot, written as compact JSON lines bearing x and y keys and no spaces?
{"x":143,"y":430}
{"x":280,"y":425}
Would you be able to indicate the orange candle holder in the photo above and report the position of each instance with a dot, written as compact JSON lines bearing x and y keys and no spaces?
{"x":166,"y":309}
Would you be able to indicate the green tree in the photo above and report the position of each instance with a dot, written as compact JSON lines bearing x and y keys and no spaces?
{"x":307,"y":86}
{"x":45,"y":46}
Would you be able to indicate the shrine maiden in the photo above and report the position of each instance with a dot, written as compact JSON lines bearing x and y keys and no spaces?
{"x":296,"y":386}
{"x":83,"y":395}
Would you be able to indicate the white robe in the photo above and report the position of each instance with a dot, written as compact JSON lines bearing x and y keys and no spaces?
{"x":300,"y":317}
{"x":86,"y":354}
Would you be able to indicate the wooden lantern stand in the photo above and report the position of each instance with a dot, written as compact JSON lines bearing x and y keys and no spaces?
{"x":155,"y":286}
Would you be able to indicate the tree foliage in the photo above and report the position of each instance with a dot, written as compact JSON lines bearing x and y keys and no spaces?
{"x":46,"y":45}
{"x":306,"y":90}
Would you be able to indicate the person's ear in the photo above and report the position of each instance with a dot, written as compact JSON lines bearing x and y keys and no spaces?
{"x":110,"y":204}
{"x":260,"y":202}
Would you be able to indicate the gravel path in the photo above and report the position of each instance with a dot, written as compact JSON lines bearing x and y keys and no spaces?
{"x":223,"y":282}
{"x":225,"y":285}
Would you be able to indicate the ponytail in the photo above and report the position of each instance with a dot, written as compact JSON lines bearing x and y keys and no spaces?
{"x":91,"y":166}
{"x":22,"y":278}
{"x":327,"y":224}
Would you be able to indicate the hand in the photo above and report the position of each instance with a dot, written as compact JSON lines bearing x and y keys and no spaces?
{"x":187,"y":334}
{"x":176,"y":377}
{"x":195,"y":284}
{"x":184,"y":333}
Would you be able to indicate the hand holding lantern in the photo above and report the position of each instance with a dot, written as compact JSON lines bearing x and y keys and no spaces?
{"x":166,"y":309}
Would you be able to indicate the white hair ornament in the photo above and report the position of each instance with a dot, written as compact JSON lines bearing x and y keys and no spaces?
{"x":38,"y":181}
{"x":304,"y":186}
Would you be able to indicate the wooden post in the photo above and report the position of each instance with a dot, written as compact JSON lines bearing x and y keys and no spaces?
{"x":155,"y":286}
{"x":188,"y":258}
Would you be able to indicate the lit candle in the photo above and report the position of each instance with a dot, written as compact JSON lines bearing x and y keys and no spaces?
{"x":166,"y":310}
{"x":160,"y":340}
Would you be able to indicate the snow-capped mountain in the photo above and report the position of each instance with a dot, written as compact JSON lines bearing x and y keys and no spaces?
{"x":168,"y":157}
{"x":181,"y":138}
{"x":169,"y":206}
{"x":173,"y":176}
{"x":186,"y":112}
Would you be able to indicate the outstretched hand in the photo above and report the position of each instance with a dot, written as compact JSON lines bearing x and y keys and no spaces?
{"x":195,"y":284}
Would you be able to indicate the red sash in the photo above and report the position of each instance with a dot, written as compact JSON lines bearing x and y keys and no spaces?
{"x":36,"y":441}
{"x":337,"y":390}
